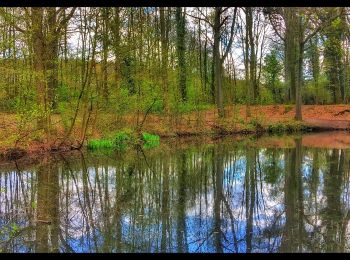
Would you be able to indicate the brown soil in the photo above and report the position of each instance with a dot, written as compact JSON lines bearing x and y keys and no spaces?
{"x":325,"y":117}
{"x":321,"y":117}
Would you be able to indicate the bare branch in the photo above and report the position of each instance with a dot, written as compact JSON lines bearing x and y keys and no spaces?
{"x":65,"y":20}
{"x":199,"y":18}
{"x":274,"y":28}
{"x":231,"y":36}
{"x":10,"y":20}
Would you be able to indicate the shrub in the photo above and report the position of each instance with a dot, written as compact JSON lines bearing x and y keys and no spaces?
{"x":100,"y":143}
{"x":150,"y":140}
{"x":289,"y":127}
{"x":124,"y":138}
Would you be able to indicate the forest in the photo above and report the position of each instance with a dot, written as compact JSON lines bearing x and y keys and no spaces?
{"x":174,"y":129}
{"x":74,"y":75}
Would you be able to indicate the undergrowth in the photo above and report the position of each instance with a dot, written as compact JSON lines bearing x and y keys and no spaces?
{"x":124,"y":139}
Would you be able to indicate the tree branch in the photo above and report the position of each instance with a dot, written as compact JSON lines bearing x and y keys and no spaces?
{"x":321,"y":27}
{"x":8,"y":19}
{"x":65,"y":20}
{"x":231,"y":36}
{"x":274,"y":28}
{"x":199,"y":18}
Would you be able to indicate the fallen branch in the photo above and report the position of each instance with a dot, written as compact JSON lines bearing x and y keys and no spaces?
{"x":145,"y":116}
{"x":342,"y":112}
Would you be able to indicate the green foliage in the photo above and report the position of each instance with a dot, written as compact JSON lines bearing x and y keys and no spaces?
{"x":128,"y":74}
{"x":150,"y":140}
{"x":317,"y":93}
{"x":186,"y":107}
{"x":64,"y":92}
{"x":266,"y":96}
{"x":158,"y":106}
{"x":276,"y":128}
{"x":256,"y":123}
{"x":287,"y":127}
{"x":100,"y":144}
{"x":240,"y":92}
{"x":125,"y":103}
{"x":66,"y":113}
{"x":124,"y":138}
{"x":271,"y":169}
{"x":132,"y":77}
{"x":14,"y":229}
{"x":33,"y":205}
{"x":333,"y":56}
{"x":150,"y":137}
{"x":271,"y":74}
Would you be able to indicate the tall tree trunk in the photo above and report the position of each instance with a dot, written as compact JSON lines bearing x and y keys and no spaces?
{"x":181,"y":49}
{"x":105,"y":17}
{"x":315,"y":66}
{"x":290,"y":50}
{"x":299,"y":78}
{"x":116,"y":47}
{"x":52,"y":57}
{"x":39,"y":54}
{"x":217,"y":63}
{"x":333,"y":56}
{"x":164,"y":57}
{"x":252,"y":54}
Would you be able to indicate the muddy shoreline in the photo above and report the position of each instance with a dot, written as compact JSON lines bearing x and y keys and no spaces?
{"x":314,"y":137}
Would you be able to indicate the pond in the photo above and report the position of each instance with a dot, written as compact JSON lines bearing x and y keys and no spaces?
{"x":198,"y":195}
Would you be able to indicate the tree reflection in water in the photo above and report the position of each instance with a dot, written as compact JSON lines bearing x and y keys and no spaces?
{"x":209,"y":198}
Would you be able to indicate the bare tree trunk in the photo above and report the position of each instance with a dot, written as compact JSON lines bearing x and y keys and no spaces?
{"x":105,"y":45}
{"x":181,"y":49}
{"x":52,"y":57}
{"x":164,"y":56}
{"x":217,"y":62}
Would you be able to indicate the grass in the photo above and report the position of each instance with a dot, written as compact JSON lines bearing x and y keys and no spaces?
{"x":150,"y":140}
{"x":286,"y":127}
{"x":95,"y":144}
{"x":124,"y":139}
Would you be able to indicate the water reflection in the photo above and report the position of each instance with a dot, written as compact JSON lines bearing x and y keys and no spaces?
{"x":209,"y":198}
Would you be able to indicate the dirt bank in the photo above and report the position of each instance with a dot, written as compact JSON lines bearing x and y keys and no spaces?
{"x":15,"y":142}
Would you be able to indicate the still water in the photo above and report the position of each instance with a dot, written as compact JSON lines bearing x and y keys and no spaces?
{"x":222,"y":196}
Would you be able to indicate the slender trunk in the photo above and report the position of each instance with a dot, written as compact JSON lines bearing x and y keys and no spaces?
{"x":181,"y":30}
{"x":217,"y":63}
{"x":299,"y":78}
{"x":164,"y":58}
{"x":105,"y":90}
{"x":52,"y":57}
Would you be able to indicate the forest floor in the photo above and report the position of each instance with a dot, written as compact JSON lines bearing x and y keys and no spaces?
{"x":317,"y":117}
{"x":197,"y":123}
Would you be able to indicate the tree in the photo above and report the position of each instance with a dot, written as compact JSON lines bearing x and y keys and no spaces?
{"x":46,"y":26}
{"x":333,"y":54}
{"x":181,"y":50}
{"x":301,"y":24}
{"x":314,"y":56}
{"x":272,"y":70}
{"x":219,"y":21}
{"x":164,"y":38}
